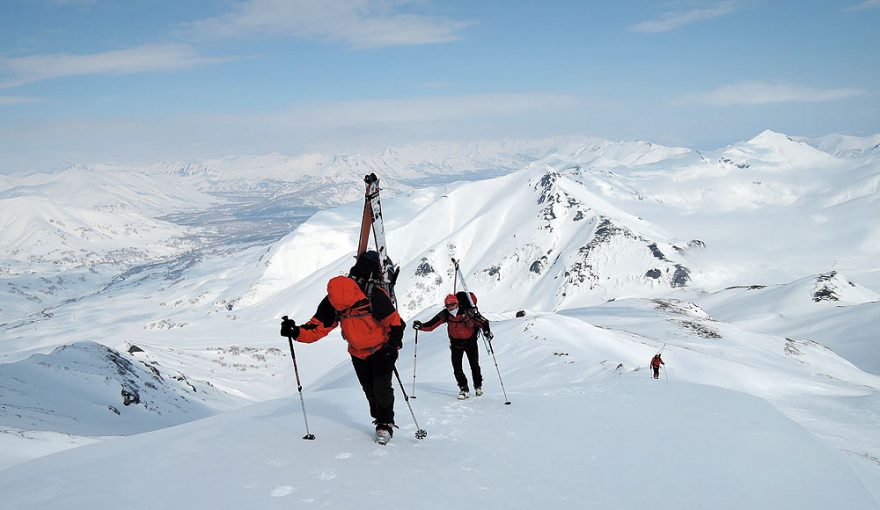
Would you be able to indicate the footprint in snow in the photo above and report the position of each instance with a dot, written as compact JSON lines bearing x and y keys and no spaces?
{"x":281,"y":491}
{"x":326,"y":475}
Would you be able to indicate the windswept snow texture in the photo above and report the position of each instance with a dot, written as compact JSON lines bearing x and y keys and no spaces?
{"x":623,"y":443}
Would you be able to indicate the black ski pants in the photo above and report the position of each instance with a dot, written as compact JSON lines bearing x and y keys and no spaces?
{"x":459,"y":349}
{"x":374,"y":373}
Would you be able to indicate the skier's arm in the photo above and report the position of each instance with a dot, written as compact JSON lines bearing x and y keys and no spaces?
{"x":437,"y":320}
{"x":483,"y":324}
{"x":322,"y":323}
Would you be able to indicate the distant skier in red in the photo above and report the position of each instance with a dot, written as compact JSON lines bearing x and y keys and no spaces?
{"x":656,"y":361}
{"x":463,"y":325}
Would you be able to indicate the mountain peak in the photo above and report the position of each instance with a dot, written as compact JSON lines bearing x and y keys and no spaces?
{"x":778,"y":150}
{"x":769,"y":137}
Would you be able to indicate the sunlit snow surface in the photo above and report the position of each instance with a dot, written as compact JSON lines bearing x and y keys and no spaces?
{"x":753,"y":268}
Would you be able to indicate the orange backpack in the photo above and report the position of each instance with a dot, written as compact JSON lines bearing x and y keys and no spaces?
{"x":359,"y":328}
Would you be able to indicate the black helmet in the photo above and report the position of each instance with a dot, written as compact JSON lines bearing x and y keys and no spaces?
{"x":367,"y":265}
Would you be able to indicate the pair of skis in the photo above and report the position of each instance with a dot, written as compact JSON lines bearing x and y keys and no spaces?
{"x":372,"y":221}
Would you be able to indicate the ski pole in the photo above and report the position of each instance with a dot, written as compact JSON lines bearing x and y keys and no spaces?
{"x":415,"y":354}
{"x":420,"y":433}
{"x":666,"y":374}
{"x":488,"y":343}
{"x":302,"y":401}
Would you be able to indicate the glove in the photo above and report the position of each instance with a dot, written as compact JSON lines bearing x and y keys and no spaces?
{"x":289,"y":328}
{"x":489,"y":335}
{"x":417,"y":324}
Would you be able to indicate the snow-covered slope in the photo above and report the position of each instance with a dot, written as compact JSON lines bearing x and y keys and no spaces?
{"x":92,"y":390}
{"x":68,"y":234}
{"x":537,"y":238}
{"x":847,"y":146}
{"x":611,"y":436}
{"x":612,"y":250}
{"x":827,"y":308}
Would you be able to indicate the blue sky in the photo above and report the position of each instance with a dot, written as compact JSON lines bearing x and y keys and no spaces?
{"x":87,"y":81}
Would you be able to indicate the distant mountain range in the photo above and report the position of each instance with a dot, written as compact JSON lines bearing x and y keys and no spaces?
{"x":586,"y":209}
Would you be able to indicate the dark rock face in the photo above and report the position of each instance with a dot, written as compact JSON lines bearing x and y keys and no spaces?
{"x":825,"y":288}
{"x":656,"y":252}
{"x":424,"y":268}
{"x":681,"y":277}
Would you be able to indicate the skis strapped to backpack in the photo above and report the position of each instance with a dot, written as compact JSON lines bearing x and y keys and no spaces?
{"x":372,"y":221}
{"x":487,"y":342}
{"x":460,"y":277}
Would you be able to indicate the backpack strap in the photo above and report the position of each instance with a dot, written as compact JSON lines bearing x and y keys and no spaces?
{"x":361,"y":308}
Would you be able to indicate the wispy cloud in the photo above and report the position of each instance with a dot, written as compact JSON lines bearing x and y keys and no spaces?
{"x":339,"y":125}
{"x":676,"y":19}
{"x":358,"y":24}
{"x":426,"y":110}
{"x":8,"y":100}
{"x":756,"y":92}
{"x":867,"y":4}
{"x":140,"y":59}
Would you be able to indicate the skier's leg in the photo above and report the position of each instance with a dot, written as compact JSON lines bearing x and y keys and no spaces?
{"x":473,"y":355}
{"x":364,"y":372}
{"x":382,"y":362}
{"x":460,"y":378}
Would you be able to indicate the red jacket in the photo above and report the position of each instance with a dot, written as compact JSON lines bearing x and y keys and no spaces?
{"x":367,"y":324}
{"x":461,"y":326}
{"x":656,"y":361}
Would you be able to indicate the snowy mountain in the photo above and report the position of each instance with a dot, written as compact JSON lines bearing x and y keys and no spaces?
{"x":847,"y":146}
{"x":536,"y":236}
{"x":106,"y":393}
{"x":74,"y":232}
{"x":753,"y":268}
{"x":828,"y":308}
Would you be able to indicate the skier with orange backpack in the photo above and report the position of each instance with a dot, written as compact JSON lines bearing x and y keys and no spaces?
{"x":372,"y":327}
{"x":464,"y":323}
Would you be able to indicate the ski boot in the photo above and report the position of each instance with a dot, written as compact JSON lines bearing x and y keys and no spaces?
{"x":384,"y":432}
{"x":478,"y":392}
{"x":463,"y":394}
